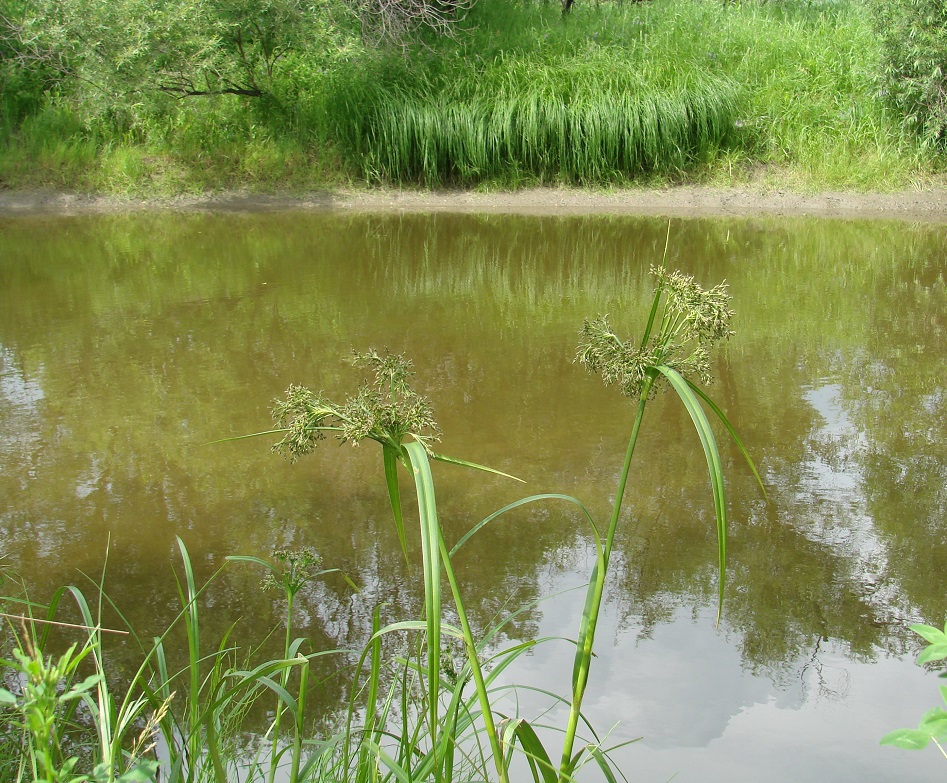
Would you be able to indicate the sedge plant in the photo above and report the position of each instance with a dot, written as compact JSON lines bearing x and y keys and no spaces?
{"x":387,"y":410}
{"x":685,"y":322}
{"x":288,"y":574}
{"x":221,"y":684}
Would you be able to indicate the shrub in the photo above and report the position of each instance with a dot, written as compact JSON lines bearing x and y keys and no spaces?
{"x":914,"y":37}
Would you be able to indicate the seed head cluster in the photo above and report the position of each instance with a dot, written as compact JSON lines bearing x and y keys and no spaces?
{"x":385,"y":409}
{"x":692,"y":321}
{"x":298,"y":566}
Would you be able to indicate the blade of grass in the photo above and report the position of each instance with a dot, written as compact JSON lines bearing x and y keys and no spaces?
{"x":466,"y":464}
{"x":425,"y":487}
{"x":711,"y":453}
{"x":431,"y":565}
{"x":733,"y":433}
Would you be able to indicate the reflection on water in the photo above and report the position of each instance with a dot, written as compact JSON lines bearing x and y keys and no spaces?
{"x":128,"y":343}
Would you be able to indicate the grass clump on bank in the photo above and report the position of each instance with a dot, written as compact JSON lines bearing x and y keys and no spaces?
{"x":661,"y":91}
{"x":547,"y":121}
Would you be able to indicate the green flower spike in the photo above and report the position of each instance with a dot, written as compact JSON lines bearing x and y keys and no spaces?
{"x":692,"y":322}
{"x":296,"y":568}
{"x":385,"y":410}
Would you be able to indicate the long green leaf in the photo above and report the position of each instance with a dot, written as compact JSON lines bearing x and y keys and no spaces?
{"x":655,"y":302}
{"x":535,"y":752}
{"x":419,"y":460}
{"x":733,"y":434}
{"x":603,"y":764}
{"x":466,"y":464}
{"x":277,"y":431}
{"x":244,"y":437}
{"x":712,"y":454}
{"x":284,"y":695}
{"x":516,"y":504}
{"x":400,"y":773}
{"x":431,"y":565}
{"x":394,"y":494}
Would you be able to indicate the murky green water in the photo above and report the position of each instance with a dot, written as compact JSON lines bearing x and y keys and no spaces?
{"x":128,"y":343}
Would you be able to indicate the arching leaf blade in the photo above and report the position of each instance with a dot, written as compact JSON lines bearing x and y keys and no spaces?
{"x":712,"y":454}
{"x":733,"y":434}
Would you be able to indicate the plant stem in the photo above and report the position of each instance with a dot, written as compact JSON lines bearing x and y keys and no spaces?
{"x":626,"y":467}
{"x":298,"y":727}
{"x":474,"y":661}
{"x":596,"y":590}
{"x":284,"y":678}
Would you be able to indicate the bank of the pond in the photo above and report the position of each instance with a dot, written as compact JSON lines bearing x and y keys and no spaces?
{"x":928,"y":205}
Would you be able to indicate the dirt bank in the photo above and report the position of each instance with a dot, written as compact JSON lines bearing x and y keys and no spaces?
{"x":688,"y":201}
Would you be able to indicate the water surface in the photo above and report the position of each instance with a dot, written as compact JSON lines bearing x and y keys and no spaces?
{"x":128,"y":343}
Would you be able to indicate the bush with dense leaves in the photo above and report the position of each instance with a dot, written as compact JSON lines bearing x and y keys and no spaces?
{"x":914,"y":37}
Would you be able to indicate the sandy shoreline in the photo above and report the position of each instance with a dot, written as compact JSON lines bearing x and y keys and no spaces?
{"x":685,"y":201}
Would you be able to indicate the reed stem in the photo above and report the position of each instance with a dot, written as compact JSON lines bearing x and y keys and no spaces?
{"x":596,"y":591}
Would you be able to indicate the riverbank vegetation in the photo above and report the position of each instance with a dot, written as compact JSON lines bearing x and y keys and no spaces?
{"x":147,"y":98}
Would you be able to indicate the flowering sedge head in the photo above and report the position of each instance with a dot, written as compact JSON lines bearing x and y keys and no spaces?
{"x":385,"y":409}
{"x":296,"y":568}
{"x":687,"y":322}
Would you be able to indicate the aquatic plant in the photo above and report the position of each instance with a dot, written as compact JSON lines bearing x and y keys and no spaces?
{"x":387,"y":410}
{"x":933,"y":724}
{"x":685,"y":322}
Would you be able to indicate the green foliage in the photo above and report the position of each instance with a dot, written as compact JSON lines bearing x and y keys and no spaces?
{"x":914,"y":69}
{"x":281,"y":93}
{"x":123,"y":65}
{"x":933,"y":724}
{"x":630,"y":91}
{"x":49,"y":695}
{"x":23,"y":79}
{"x":202,"y":711}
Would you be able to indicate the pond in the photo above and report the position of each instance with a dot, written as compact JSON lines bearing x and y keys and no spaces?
{"x":129,"y":343}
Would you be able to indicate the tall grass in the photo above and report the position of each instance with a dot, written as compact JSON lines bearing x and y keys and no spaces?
{"x":661,"y":91}
{"x":564,"y":121}
{"x":182,"y":724}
